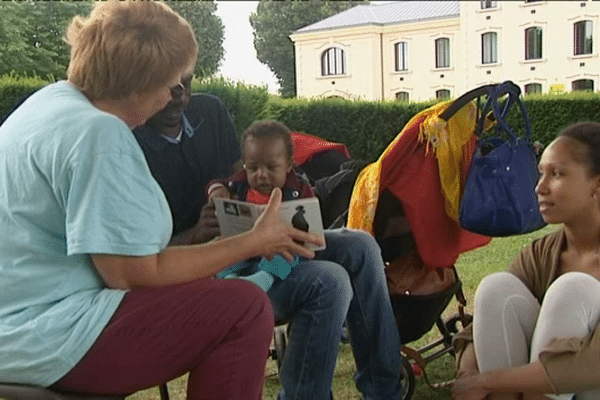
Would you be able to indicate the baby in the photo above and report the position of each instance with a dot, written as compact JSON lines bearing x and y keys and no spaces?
{"x":267,"y":159}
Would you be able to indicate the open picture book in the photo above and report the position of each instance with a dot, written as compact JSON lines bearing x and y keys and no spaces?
{"x":236,"y":216}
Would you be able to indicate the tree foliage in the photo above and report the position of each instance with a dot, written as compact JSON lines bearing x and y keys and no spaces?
{"x":209,"y":31}
{"x":273,"y":23}
{"x":31,"y":35}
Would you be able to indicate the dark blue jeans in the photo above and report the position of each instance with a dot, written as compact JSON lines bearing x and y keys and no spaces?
{"x":344,"y":281}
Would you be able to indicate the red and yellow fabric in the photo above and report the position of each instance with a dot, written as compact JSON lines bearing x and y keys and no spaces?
{"x":425,"y":167}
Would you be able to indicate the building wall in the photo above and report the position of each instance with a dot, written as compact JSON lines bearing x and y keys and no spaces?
{"x":557,"y":68}
{"x":363,"y":60}
{"x":421,"y":80}
{"x":369,"y":50}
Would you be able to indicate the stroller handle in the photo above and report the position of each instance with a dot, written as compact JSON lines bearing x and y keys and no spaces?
{"x":464,"y":99}
{"x":501,"y":88}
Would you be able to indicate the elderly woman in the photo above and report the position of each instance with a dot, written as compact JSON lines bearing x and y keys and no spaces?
{"x":91,"y":298}
{"x":536,"y":331}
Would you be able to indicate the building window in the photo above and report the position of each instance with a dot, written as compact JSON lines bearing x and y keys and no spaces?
{"x":442,"y":53}
{"x":401,"y":53}
{"x":582,"y":34}
{"x":442,"y":94}
{"x":489,"y":48}
{"x":402,"y":96}
{"x":583,"y":84}
{"x":333,"y":62}
{"x":533,"y":88}
{"x":533,"y":43}
{"x":485,"y":4}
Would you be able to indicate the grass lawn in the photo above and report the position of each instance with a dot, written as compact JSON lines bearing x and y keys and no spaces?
{"x":472,"y":267}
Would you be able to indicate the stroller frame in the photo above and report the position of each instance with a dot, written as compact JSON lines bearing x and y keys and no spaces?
{"x":420,"y":357}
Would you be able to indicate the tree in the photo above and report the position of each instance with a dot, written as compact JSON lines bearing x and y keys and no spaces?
{"x":209,"y":31}
{"x":31,"y":35}
{"x":273,"y":23}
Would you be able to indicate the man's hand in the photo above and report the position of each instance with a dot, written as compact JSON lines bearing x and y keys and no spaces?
{"x":207,"y":227}
{"x":221,"y":192}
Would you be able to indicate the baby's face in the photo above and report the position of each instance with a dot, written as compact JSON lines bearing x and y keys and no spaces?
{"x":267,"y":163}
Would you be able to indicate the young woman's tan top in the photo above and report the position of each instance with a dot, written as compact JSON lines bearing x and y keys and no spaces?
{"x":571,"y":364}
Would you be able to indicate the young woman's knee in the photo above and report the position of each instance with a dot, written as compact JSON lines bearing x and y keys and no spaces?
{"x":573,"y":292}
{"x":574,"y":285}
{"x":497,"y":286}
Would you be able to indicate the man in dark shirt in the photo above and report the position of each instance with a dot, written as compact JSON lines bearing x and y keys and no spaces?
{"x":193,"y":141}
{"x":184,"y":152}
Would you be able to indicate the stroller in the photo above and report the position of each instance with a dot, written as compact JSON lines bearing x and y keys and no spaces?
{"x":409,"y":200}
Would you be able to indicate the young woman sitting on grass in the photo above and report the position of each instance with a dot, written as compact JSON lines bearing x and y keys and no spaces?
{"x":535,"y":332}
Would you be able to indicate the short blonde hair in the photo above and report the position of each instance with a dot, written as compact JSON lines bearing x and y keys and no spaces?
{"x":127,"y":47}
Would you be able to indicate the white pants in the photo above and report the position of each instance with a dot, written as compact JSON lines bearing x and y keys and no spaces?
{"x":511,"y":329}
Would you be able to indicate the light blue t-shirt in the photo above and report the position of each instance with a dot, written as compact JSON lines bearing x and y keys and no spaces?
{"x":73,"y":182}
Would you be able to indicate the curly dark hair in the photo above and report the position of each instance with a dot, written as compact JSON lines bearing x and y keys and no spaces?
{"x":271,"y":129}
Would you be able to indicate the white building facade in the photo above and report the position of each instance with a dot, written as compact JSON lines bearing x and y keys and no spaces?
{"x":419,"y":50}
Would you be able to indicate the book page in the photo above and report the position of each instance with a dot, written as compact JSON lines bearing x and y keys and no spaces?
{"x":236,"y":216}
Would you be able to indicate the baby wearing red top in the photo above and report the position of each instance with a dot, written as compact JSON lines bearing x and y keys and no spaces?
{"x":267,"y":158}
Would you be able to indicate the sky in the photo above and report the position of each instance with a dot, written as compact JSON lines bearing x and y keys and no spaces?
{"x":240,"y":62}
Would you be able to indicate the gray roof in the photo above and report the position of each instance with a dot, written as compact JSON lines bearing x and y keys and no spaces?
{"x":391,"y":13}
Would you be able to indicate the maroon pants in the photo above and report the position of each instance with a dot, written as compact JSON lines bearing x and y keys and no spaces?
{"x":217,"y":330}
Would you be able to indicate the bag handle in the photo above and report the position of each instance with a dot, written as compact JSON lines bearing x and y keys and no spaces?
{"x":496,"y":92}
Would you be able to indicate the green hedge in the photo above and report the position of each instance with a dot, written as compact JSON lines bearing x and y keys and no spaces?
{"x":13,"y":89}
{"x":548,"y":114}
{"x":366,"y":127}
{"x":245,"y":103}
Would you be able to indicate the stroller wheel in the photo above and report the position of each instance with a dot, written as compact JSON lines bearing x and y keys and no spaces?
{"x":407,"y":379}
{"x":452,"y":322}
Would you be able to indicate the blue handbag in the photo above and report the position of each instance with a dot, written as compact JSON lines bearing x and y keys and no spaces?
{"x":499,"y":197}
